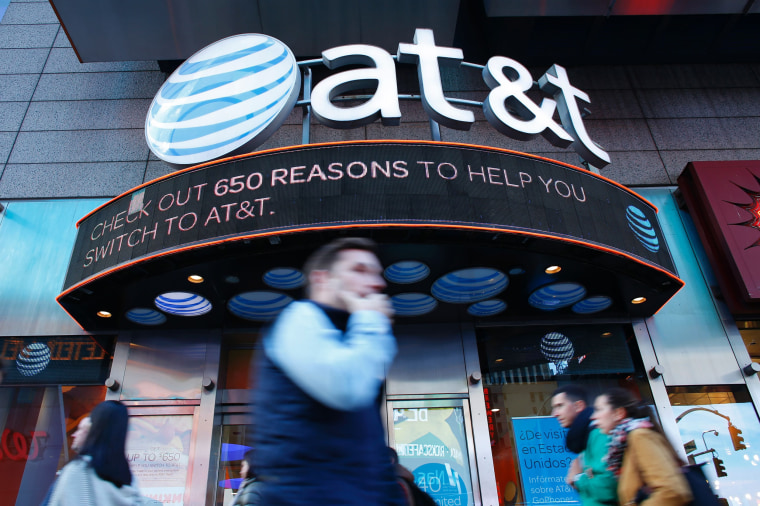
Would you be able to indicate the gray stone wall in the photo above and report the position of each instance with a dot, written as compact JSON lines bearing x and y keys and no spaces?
{"x":76,"y":130}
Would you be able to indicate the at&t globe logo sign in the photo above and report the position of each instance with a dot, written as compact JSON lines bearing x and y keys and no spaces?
{"x":228,"y":97}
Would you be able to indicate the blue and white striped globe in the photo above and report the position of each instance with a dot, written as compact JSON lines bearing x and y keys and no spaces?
{"x":228,"y":97}
{"x":284,"y":278}
{"x":33,"y":359}
{"x":642,"y":228}
{"x":470,"y":285}
{"x":556,"y":347}
{"x":556,"y":296}
{"x":145,"y":316}
{"x":487,"y":307}
{"x":182,"y":304}
{"x":406,"y":272}
{"x":592,"y":305}
{"x":413,"y":304}
{"x":258,"y":306}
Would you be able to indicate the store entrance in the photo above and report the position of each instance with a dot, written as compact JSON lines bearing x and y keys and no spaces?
{"x":433,"y":439}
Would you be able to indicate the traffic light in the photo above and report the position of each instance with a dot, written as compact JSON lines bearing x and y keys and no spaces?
{"x":720,"y":469}
{"x":736,"y":437}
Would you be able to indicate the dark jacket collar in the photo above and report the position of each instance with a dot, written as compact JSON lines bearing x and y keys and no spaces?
{"x":577,"y":433}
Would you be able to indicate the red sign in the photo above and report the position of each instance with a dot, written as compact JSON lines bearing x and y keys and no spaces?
{"x":15,"y":446}
{"x":724,"y":200}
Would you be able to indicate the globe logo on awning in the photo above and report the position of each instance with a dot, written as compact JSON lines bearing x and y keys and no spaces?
{"x":642,"y":228}
{"x":227,"y":98}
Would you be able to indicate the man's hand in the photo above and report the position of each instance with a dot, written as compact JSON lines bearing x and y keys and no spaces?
{"x":374,"y":302}
{"x":576,"y":468}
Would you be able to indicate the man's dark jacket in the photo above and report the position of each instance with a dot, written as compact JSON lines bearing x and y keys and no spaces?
{"x":307,"y":453}
{"x":577,"y":433}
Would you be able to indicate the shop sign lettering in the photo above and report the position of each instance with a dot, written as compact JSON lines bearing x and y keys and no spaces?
{"x":368,"y":182}
{"x":17,"y":447}
{"x":232,"y":95}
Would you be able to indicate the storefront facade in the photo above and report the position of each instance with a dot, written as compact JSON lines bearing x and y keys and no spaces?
{"x":187,"y":260}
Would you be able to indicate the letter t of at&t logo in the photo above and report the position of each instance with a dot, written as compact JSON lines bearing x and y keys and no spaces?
{"x":229,"y":97}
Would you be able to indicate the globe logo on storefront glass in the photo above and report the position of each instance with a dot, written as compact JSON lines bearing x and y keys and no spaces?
{"x":33,"y":359}
{"x":227,"y":98}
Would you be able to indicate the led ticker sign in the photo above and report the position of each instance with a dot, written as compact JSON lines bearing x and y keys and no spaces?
{"x":55,"y":360}
{"x":367,"y":184}
{"x":230,"y":96}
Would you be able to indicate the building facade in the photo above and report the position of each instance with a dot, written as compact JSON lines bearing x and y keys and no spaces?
{"x":467,"y":401}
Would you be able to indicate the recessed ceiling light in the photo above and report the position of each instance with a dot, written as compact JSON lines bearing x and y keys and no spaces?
{"x":499,"y":359}
{"x":194,"y":278}
{"x":104,"y":314}
{"x":495,"y":410}
{"x":606,"y":334}
{"x":639,"y":300}
{"x":553,"y":269}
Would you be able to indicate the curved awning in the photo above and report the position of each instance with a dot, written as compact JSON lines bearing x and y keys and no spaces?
{"x":482,"y":223}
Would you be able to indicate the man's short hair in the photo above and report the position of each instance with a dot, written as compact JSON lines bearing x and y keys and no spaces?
{"x":325,"y":257}
{"x":573,"y":392}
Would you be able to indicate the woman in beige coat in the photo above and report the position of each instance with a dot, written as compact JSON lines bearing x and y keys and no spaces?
{"x":646,"y":465}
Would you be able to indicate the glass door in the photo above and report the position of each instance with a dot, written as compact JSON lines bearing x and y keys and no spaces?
{"x":433,"y":439}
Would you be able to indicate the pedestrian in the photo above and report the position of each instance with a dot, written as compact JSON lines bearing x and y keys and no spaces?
{"x":647,"y":468}
{"x":570,"y":408}
{"x":101,"y":476}
{"x":248,"y":493}
{"x":413,"y":494}
{"x":80,"y":435}
{"x":588,"y":472}
{"x":317,"y":429}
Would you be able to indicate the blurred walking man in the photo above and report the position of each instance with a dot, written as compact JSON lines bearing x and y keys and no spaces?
{"x":587,"y":473}
{"x":318,"y":435}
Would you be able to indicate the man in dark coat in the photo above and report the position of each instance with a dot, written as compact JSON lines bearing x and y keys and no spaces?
{"x":570,"y":408}
{"x":318,"y":436}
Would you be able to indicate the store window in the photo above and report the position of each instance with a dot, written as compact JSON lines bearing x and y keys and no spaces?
{"x":49,"y":385}
{"x":235,"y":436}
{"x":431,"y":440}
{"x":750,"y":332}
{"x":235,"y":442}
{"x":158,"y":449}
{"x":522,"y":366}
{"x":720,"y":429}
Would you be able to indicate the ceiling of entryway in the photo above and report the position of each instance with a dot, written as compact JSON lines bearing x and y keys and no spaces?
{"x":533,"y":32}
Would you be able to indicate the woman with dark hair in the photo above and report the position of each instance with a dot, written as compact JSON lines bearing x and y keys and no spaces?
{"x":248,"y":493}
{"x":101,"y":476}
{"x":647,"y":467}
